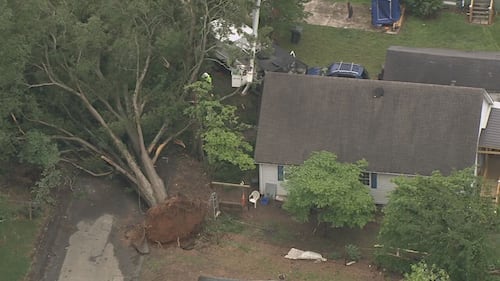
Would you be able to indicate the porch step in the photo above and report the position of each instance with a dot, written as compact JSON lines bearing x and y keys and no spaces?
{"x":480,"y":12}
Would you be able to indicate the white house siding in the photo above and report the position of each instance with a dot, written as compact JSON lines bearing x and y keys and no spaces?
{"x":268,"y":173}
{"x":384,"y":187}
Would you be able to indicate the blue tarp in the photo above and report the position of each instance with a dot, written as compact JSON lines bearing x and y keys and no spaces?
{"x":385,"y":12}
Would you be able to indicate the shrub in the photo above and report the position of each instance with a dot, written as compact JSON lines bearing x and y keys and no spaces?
{"x":422,"y":272}
{"x":423,"y":8}
{"x":352,"y":252}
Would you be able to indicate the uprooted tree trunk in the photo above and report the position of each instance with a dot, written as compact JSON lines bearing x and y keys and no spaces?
{"x":175,"y":219}
{"x":107,"y":81}
{"x":138,"y":168}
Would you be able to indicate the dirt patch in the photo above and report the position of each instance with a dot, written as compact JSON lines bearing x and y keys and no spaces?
{"x":252,"y":246}
{"x":250,"y":243}
{"x":336,"y":15}
{"x":176,"y":218}
{"x":185,"y":175}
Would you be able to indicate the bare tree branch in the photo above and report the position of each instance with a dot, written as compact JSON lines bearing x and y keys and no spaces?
{"x":41,"y":85}
{"x":95,"y":174}
{"x":158,"y":136}
{"x":120,"y":169}
{"x":80,"y":141}
{"x":51,"y":126}
{"x":230,"y":95}
{"x":17,"y":123}
{"x":164,"y":143}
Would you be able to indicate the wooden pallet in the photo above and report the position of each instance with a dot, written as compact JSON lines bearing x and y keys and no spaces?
{"x":396,"y":26}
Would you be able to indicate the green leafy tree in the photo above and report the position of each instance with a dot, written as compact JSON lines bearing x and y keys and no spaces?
{"x":423,"y":8}
{"x":329,"y":189}
{"x":421,"y":272}
{"x":444,"y":219}
{"x":38,"y":150}
{"x":103,"y":79}
{"x":218,"y":129}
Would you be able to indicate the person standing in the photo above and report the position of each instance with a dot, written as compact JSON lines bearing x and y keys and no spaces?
{"x":207,"y":78}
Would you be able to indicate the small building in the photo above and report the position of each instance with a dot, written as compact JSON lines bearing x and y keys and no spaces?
{"x":443,"y":67}
{"x":400,"y":128}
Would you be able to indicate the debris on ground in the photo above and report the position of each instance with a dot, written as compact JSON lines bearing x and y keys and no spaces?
{"x":175,"y":219}
{"x":296,"y":254}
{"x":136,"y":236}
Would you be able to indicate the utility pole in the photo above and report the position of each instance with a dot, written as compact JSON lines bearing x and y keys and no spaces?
{"x":255,"y":26}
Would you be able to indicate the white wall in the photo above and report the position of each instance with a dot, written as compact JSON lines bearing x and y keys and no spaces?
{"x":384,"y":187}
{"x":268,"y":173}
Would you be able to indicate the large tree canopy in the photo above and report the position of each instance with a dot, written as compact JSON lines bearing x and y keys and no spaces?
{"x":104,"y":79}
{"x":444,"y":219}
{"x":331,"y":189}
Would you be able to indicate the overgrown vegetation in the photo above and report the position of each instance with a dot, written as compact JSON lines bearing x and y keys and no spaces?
{"x":17,"y":235}
{"x":442,"y":220}
{"x":423,"y":8}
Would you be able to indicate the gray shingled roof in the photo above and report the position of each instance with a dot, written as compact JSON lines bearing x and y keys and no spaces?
{"x":490,"y":137}
{"x":411,"y":129}
{"x":439,"y":66}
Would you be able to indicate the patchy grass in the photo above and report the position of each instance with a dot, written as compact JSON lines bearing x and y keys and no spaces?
{"x":321,"y":45}
{"x":17,"y":237}
{"x":495,"y":262}
{"x":252,"y":247}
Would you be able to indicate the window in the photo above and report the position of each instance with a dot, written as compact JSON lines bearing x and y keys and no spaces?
{"x":281,"y":173}
{"x":373,"y":180}
{"x":364,"y":178}
{"x":368,"y":179}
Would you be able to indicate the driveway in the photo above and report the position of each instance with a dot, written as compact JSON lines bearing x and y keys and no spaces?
{"x":85,"y":240}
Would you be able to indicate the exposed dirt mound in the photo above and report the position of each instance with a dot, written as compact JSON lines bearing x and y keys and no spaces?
{"x":177,"y":218}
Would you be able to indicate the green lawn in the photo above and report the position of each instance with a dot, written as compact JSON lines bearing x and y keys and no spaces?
{"x":17,"y":237}
{"x":320,"y":45}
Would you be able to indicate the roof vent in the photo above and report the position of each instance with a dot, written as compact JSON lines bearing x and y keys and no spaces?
{"x":378,"y":92}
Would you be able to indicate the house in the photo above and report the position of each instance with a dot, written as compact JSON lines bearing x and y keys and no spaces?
{"x":460,"y":68}
{"x":443,"y":67}
{"x":400,"y":128}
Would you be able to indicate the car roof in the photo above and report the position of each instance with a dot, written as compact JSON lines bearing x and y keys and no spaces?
{"x":345,"y":67}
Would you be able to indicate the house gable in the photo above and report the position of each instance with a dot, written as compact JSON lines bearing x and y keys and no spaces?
{"x":402,"y":128}
{"x":490,"y":137}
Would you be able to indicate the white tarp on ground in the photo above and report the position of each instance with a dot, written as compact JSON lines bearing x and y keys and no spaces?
{"x":296,"y":254}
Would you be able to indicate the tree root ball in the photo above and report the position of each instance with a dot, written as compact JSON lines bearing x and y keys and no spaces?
{"x":176,"y":218}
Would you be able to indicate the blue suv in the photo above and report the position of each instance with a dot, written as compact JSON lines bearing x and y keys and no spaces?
{"x":341,"y":69}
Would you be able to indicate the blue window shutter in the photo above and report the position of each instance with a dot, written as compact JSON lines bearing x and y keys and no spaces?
{"x":280,"y":173}
{"x":373,"y":181}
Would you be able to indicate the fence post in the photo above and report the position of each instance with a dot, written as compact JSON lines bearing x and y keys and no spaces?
{"x":30,"y":210}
